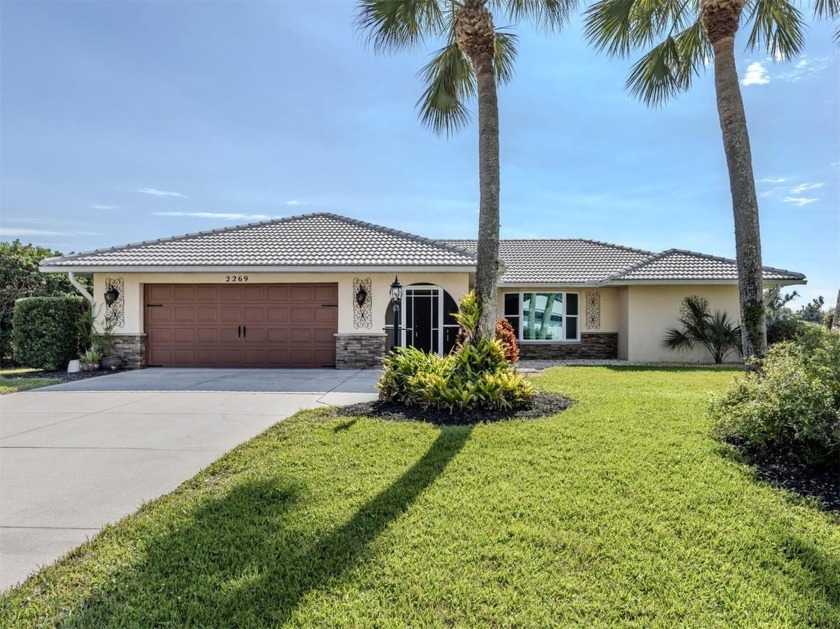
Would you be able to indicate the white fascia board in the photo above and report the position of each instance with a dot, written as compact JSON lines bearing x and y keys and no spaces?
{"x":231,"y":268}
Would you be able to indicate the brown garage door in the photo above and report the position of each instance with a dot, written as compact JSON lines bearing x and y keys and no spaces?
{"x":253,"y":325}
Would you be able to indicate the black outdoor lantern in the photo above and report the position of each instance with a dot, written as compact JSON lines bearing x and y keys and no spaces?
{"x":361,"y":296}
{"x":111,"y":295}
{"x":396,"y":292}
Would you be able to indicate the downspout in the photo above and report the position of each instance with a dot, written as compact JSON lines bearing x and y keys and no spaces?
{"x":82,"y":290}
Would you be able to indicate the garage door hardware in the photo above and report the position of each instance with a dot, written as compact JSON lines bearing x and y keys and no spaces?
{"x":242,"y":331}
{"x":329,"y":305}
{"x":154,"y":305}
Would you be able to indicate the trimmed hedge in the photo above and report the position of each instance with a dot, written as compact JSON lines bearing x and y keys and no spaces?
{"x":45,"y":333}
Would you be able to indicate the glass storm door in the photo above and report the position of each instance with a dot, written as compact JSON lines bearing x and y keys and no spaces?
{"x":422,"y":318}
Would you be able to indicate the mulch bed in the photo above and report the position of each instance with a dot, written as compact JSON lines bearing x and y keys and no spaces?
{"x":543,"y":404}
{"x":59,"y":375}
{"x":808,"y":481}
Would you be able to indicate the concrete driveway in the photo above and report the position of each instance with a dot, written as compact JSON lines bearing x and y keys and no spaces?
{"x":77,"y":456}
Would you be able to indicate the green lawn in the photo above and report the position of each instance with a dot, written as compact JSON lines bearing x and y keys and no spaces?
{"x":17,"y":383}
{"x":619,"y":512}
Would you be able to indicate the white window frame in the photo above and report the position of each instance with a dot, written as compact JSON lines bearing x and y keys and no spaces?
{"x":521,"y":316}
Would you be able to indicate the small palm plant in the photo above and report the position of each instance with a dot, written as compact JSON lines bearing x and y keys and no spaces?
{"x":716,"y":332}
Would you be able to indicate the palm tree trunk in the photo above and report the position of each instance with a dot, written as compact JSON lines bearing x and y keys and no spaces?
{"x":720,"y":19}
{"x":487,"y":271}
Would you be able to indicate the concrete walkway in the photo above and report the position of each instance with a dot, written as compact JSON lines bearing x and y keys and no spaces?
{"x":77,"y":456}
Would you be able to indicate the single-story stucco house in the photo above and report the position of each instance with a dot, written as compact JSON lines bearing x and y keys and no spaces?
{"x":313,"y":291}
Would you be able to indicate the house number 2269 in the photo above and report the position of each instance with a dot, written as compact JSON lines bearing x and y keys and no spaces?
{"x":236,"y":278}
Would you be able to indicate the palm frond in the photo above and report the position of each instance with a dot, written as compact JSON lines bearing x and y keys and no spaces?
{"x":398,"y":24}
{"x":505,"y":56}
{"x":551,"y":15}
{"x":777,"y":28}
{"x":620,"y":26}
{"x":449,"y":80}
{"x":677,"y":340}
{"x":669,"y":68}
{"x":828,"y":10}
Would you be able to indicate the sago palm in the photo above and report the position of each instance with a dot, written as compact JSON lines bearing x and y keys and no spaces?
{"x":475,"y":57}
{"x":683,"y":36}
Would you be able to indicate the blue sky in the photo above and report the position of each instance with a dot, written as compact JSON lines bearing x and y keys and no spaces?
{"x":127,"y":121}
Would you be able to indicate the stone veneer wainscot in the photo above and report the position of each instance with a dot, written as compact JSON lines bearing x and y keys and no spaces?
{"x":132,"y":349}
{"x":359,"y":351}
{"x":601,"y":345}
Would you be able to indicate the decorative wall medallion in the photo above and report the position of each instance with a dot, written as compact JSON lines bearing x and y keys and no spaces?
{"x":116,"y":309}
{"x":593,"y":310}
{"x":362,"y":303}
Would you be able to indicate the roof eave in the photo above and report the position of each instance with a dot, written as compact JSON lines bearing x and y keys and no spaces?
{"x":238,"y":269}
{"x":732,"y":282}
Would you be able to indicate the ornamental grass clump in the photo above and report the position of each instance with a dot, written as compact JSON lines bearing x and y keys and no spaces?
{"x":791,"y":409}
{"x":477,"y":375}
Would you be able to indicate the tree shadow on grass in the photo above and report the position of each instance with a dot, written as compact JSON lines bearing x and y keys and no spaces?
{"x":241,"y":561}
{"x":822,"y":573}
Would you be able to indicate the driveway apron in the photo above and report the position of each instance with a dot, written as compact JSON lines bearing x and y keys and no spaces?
{"x":77,"y":456}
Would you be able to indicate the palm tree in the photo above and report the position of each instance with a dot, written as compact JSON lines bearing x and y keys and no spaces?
{"x":716,"y":332}
{"x":691,"y":34}
{"x":476,"y":56}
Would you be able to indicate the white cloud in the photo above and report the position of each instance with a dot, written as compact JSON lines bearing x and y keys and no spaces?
{"x":756,"y":75}
{"x":223,"y":215}
{"x":162,"y":193}
{"x":296,"y":202}
{"x":834,"y":164}
{"x":800,"y":201}
{"x":805,"y":67}
{"x":771,"y":180}
{"x":806,"y":186}
{"x":104,"y":207}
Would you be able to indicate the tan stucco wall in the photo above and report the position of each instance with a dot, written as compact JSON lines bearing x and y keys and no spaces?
{"x":454,"y":283}
{"x":623,"y":304}
{"x":609,"y":303}
{"x":651,"y":310}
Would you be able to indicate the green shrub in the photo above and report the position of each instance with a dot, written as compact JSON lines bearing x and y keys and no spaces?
{"x":44,"y":333}
{"x":477,"y":375}
{"x":791,"y":409}
{"x":782,"y":330}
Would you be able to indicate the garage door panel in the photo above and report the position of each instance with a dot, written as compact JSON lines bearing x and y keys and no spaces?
{"x":184,"y":335}
{"x":207,"y":293}
{"x":206,"y":314}
{"x":325,"y":315}
{"x":300,"y":335}
{"x":253,"y":314}
{"x":159,"y":335}
{"x":300,"y":292}
{"x":300,"y":314}
{"x":279,"y":292}
{"x":277,"y":335}
{"x":230,"y":292}
{"x":159,"y":315}
{"x":277,"y":314}
{"x":253,"y":293}
{"x":207,"y":335}
{"x":257,"y":325}
{"x":230,"y":314}
{"x":184,"y":292}
{"x":156,"y":293}
{"x":183,"y":314}
{"x":325,"y":293}
{"x":323,"y":335}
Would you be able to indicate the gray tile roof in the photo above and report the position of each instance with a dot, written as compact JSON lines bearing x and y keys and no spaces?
{"x":590,"y":261}
{"x":307,"y":240}
{"x":561,"y":261}
{"x":678,"y":264}
{"x":329,"y":240}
